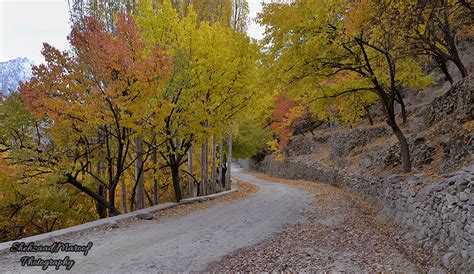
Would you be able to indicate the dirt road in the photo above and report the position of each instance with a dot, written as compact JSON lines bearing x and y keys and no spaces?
{"x":187,"y":243}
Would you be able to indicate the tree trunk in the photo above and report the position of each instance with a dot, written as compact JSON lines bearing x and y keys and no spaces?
{"x":404,"y":113}
{"x":444,"y":68}
{"x":201,"y":186}
{"x":124,"y":194}
{"x":176,"y":181}
{"x":457,"y":60}
{"x":101,"y":210}
{"x":112,"y":210}
{"x":140,"y":192}
{"x":204,"y":168}
{"x":229,"y":161}
{"x":402,"y":106}
{"x":404,"y":148}
{"x":154,"y":160}
{"x":450,"y":37}
{"x":190,"y":171}
{"x":369,"y":116}
{"x":213,"y":166}
{"x":459,"y":64}
{"x":221,"y":162}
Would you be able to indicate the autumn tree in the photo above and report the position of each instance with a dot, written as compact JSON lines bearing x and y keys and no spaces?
{"x":229,"y":13}
{"x":102,"y":10}
{"x":209,"y":84}
{"x":432,"y":28}
{"x":280,"y":119}
{"x":30,"y":204}
{"x":240,"y":13}
{"x":95,"y":98}
{"x":335,"y":49}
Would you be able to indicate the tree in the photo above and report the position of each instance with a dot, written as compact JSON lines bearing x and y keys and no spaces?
{"x":338,"y":49}
{"x":240,"y":13}
{"x":102,"y":86}
{"x":251,"y":136}
{"x":29,"y":203}
{"x":102,"y":10}
{"x":280,"y":124}
{"x":209,"y":84}
{"x":432,"y":28}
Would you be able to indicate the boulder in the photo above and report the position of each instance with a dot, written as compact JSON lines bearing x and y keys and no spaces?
{"x":145,"y":216}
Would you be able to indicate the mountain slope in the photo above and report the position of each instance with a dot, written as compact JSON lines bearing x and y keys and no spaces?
{"x":12,"y":72}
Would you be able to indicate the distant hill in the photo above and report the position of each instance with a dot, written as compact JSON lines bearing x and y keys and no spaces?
{"x":12,"y":72}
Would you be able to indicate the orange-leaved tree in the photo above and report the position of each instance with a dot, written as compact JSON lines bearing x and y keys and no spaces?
{"x":97,"y":98}
{"x":281,"y":122}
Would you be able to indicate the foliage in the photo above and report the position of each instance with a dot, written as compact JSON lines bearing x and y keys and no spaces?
{"x":147,"y":81}
{"x":331,"y":52}
{"x":286,"y":110}
{"x":94,"y":98}
{"x":210,"y":83}
{"x":252,"y":136}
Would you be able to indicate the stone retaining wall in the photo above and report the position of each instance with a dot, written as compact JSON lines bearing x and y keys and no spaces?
{"x":438,"y":216}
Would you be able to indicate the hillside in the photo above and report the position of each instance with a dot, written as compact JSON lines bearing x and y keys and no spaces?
{"x":433,"y":204}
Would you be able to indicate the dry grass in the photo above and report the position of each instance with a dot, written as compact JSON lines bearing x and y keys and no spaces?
{"x":469,"y":125}
{"x":323,"y":155}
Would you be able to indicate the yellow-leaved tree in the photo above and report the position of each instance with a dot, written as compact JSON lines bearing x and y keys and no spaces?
{"x":334,"y":52}
{"x":210,"y":84}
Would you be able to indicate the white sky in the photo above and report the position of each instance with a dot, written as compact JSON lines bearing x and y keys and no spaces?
{"x":255,"y":30}
{"x":26,"y":24}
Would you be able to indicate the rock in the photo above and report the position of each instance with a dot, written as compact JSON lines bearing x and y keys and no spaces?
{"x":465,"y":254}
{"x":453,"y":229}
{"x":470,"y":228}
{"x":439,"y":187}
{"x":393,"y":179}
{"x":451,"y":199}
{"x":463,"y":219}
{"x":447,"y":258}
{"x":421,"y":234}
{"x":434,"y":270}
{"x":463,"y":196}
{"x":145,"y":216}
{"x":470,"y":210}
{"x":113,"y":224}
{"x":443,"y":139}
{"x":422,"y":152}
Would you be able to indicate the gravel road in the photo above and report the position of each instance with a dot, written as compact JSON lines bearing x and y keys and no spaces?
{"x":187,"y":243}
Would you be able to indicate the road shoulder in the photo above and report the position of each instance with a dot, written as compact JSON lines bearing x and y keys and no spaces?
{"x":342,"y":234}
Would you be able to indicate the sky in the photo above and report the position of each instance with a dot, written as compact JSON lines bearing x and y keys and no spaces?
{"x":26,"y":24}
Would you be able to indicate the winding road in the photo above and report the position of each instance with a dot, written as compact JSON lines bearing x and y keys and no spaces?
{"x":189,"y":242}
